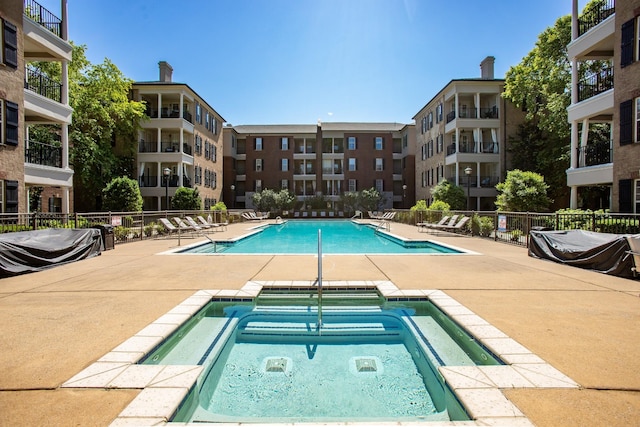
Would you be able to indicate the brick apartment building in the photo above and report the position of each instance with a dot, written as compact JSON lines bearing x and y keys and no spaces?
{"x":180,"y":145}
{"x":611,"y":32}
{"x":30,"y":33}
{"x":323,"y":160}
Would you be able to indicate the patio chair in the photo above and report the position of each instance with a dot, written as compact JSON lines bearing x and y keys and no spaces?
{"x":192,"y":223}
{"x":169,"y":228}
{"x":374,"y":215}
{"x":423,"y":225}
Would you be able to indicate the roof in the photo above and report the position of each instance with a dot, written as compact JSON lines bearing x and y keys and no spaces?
{"x":362,"y":126}
{"x":276,"y":129}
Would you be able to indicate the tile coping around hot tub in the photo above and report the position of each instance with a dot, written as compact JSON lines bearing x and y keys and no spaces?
{"x":164,"y":387}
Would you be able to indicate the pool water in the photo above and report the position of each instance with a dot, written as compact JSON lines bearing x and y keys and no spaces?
{"x":267,"y":361}
{"x":338,"y":237}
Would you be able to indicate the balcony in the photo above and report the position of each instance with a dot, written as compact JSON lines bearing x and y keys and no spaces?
{"x":472,"y":147}
{"x":595,"y":84}
{"x":39,"y":153}
{"x":42,"y":16}
{"x":148,"y":181}
{"x":594,"y":154}
{"x":40,"y":83}
{"x":589,"y":19}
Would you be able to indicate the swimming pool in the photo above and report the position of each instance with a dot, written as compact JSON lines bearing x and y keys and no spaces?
{"x":338,"y":237}
{"x":371,"y":359}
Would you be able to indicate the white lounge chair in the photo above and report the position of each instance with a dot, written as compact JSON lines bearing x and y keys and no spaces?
{"x":184,"y":227}
{"x":203,"y":223}
{"x":422,"y":225}
{"x":192,"y":223}
{"x":455,"y":227}
{"x":169,"y":228}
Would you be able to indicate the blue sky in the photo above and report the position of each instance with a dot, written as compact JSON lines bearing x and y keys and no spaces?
{"x":299,"y":61}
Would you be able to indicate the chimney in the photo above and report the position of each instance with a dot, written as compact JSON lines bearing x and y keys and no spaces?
{"x":165,"y":71}
{"x":486,"y":68}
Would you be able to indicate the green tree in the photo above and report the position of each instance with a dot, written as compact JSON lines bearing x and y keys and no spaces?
{"x":421,"y":205}
{"x":451,"y":194}
{"x":285,"y":200}
{"x":122,"y":194}
{"x":540,"y":85}
{"x":220,"y":206}
{"x":102,"y":115}
{"x":522,"y":191}
{"x":187,"y":199}
{"x":370,"y":199}
{"x":349,"y":201}
{"x":265,"y":200}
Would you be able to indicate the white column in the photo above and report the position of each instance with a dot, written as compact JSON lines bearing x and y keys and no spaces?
{"x":477,"y":102}
{"x":159,"y":113}
{"x":65,"y":200}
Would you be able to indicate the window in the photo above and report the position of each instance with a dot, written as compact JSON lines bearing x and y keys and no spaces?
{"x":207,"y":155}
{"x":9,"y":44}
{"x":214,"y":179}
{"x":284,"y":164}
{"x":1,"y":196}
{"x":284,"y":184}
{"x":379,"y":142}
{"x":258,"y":185}
{"x":352,"y":164}
{"x":284,"y":143}
{"x":638,"y":38}
{"x":198,"y":113}
{"x":214,"y":153}
{"x":11,"y":196}
{"x":379,"y":165}
{"x":439,"y":113}
{"x":352,"y":185}
{"x":430,"y":120}
{"x":352,"y":143}
{"x":11,"y":123}
{"x":214,"y":124}
{"x":627,"y":42}
{"x":258,"y":165}
{"x":207,"y":120}
{"x":1,"y":124}
{"x":626,"y":122}
{"x":258,"y":144}
{"x":380,"y":185}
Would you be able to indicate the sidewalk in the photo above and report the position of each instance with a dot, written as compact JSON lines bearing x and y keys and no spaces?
{"x":57,"y":322}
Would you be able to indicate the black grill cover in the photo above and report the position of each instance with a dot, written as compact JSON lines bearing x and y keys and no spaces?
{"x":602,"y":252}
{"x":29,"y":251}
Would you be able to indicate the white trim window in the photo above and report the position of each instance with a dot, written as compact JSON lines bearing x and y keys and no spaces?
{"x":379,"y":165}
{"x":352,"y":164}
{"x":258,"y":185}
{"x":352,"y":185}
{"x":258,"y":144}
{"x":379,"y":143}
{"x":284,"y":184}
{"x":258,"y":167}
{"x":284,"y":143}
{"x":380,"y":185}
{"x":352,"y":143}
{"x":284,"y":165}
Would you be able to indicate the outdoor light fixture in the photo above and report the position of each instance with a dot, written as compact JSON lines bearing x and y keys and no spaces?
{"x":233,"y":196}
{"x":468,"y":171}
{"x":404,"y":195}
{"x":166,"y":172}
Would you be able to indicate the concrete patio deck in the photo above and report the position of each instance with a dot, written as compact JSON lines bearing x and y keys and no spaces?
{"x":57,"y":322}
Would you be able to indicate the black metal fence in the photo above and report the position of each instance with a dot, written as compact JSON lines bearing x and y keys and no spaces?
{"x":507,"y":227}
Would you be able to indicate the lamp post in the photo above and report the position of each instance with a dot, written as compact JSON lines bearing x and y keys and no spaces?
{"x":233,"y":196}
{"x":166,"y":172}
{"x":404,"y":195}
{"x":468,"y":171}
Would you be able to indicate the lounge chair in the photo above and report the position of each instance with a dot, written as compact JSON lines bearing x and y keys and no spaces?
{"x":388,"y":216}
{"x":169,"y":228}
{"x":185,"y":227}
{"x":192,"y":223}
{"x":374,"y":215}
{"x":422,"y":225}
{"x":204,"y":223}
{"x":457,"y":226}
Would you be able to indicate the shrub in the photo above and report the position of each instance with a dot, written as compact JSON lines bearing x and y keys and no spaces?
{"x":122,"y":194}
{"x":486,"y":226}
{"x":121,"y":233}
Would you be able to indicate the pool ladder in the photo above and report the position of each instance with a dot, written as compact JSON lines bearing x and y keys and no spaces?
{"x":319,"y":322}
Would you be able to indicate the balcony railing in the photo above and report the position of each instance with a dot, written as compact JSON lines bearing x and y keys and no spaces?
{"x":598,"y":13}
{"x":42,"y":16}
{"x":472,"y":113}
{"x":595,"y":84}
{"x":40,"y":83}
{"x":148,"y":181}
{"x":451,"y":116}
{"x":486,"y":181}
{"x":594,"y":154}
{"x":39,"y":153}
{"x":472,"y":147}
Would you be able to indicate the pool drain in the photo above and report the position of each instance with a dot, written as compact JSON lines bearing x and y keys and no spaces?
{"x":365,"y":365}
{"x":276,"y":365}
